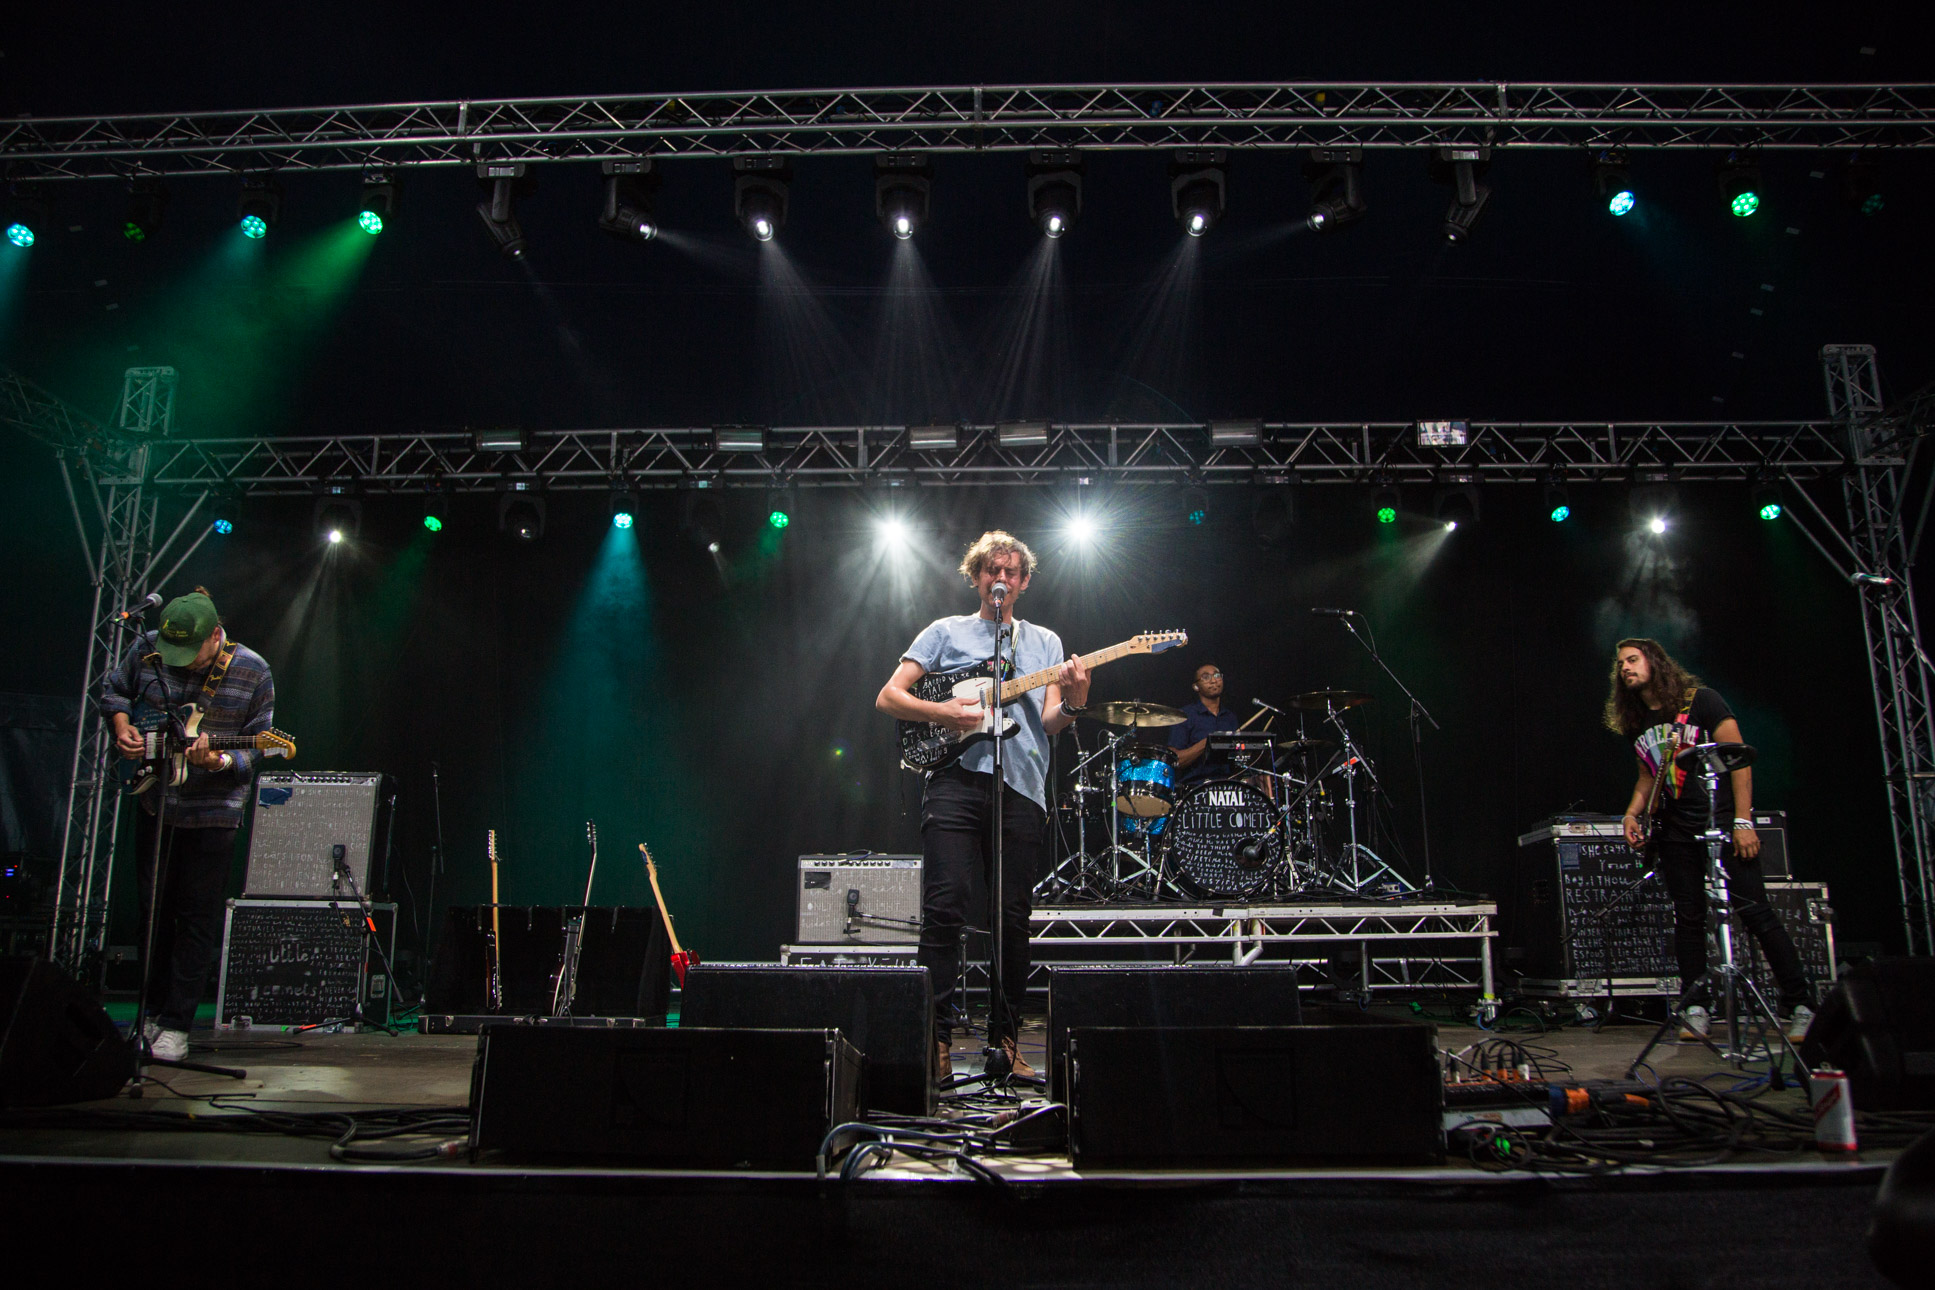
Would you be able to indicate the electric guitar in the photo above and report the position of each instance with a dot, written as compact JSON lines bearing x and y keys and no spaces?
{"x":929,"y":745}
{"x":493,"y":963}
{"x":164,"y":756}
{"x":564,"y":987}
{"x":681,"y":958}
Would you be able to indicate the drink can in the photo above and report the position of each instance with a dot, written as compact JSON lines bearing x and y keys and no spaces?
{"x":1833,"y":1110}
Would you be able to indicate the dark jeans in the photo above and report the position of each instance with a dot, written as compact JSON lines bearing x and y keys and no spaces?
{"x":956,"y":823}
{"x":188,"y":930}
{"x":1683,"y":867}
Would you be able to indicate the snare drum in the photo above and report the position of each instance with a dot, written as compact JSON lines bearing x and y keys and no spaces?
{"x":1145,"y":780}
{"x":1211,"y":826}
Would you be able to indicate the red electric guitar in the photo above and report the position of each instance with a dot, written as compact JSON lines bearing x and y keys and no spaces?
{"x":681,"y":958}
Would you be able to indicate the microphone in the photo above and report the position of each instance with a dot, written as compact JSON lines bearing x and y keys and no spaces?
{"x":1336,"y":613}
{"x":1268,"y":707}
{"x":150,"y":601}
{"x":853,"y":908}
{"x":998,"y":592}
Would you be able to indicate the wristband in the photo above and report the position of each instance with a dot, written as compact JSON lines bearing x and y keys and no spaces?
{"x":1073,"y":709}
{"x":1739,"y":823}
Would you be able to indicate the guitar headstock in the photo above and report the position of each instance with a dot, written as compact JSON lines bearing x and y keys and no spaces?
{"x":591,"y":833}
{"x":647,"y":853}
{"x":274,"y":743}
{"x":493,"y":846}
{"x":1157,"y":642}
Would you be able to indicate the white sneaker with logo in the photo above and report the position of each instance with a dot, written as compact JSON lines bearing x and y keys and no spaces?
{"x":1694,"y":1023}
{"x":1797,"y":1023}
{"x":150,"y":1030}
{"x":169,"y":1045}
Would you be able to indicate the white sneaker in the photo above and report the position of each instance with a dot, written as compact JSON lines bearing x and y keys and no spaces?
{"x":169,"y":1045}
{"x":150,"y":1030}
{"x":1797,"y":1023}
{"x":1694,"y":1023}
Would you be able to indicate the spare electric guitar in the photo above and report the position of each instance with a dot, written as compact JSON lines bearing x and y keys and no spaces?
{"x":493,"y":963}
{"x":929,"y":745}
{"x":564,"y":987}
{"x":681,"y":958}
{"x":164,"y":754}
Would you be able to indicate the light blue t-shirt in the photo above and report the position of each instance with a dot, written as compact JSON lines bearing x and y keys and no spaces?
{"x":947,"y":644}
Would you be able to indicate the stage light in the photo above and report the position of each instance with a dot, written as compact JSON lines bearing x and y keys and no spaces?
{"x":902,"y":186}
{"x":700,"y":516}
{"x":933,"y":438}
{"x":504,"y":184}
{"x":1235,"y":434}
{"x":1054,"y":190}
{"x":631,"y":193}
{"x":1861,"y":186}
{"x":893,"y":530}
{"x":760,"y":189}
{"x":30,"y":214}
{"x":504,"y":439}
{"x":147,"y":202}
{"x":432,"y":523}
{"x":739,"y":438}
{"x":781,"y":502}
{"x":379,"y":201}
{"x":1654,"y":501}
{"x":1022,"y":434}
{"x":1336,"y":179}
{"x":223,"y":527}
{"x":1612,"y":182}
{"x":1739,"y":179}
{"x":1456,"y":501}
{"x":1273,"y":512}
{"x":1464,"y":168}
{"x":436,"y":504}
{"x":1195,"y":505}
{"x":1558,"y":507}
{"x":1198,"y":188}
{"x":624,"y":505}
{"x":260,"y":205}
{"x":337,"y":515}
{"x":1082,"y":528}
{"x":20,"y":235}
{"x":520,"y":512}
{"x":1385,"y":504}
{"x":1656,"y":525}
{"x":1767,"y":502}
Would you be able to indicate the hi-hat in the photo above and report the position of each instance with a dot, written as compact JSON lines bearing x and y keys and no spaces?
{"x":1134,"y":712}
{"x":1328,"y":700}
{"x":1299,"y":746}
{"x":1730,"y":756}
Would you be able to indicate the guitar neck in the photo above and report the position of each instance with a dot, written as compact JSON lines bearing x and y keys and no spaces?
{"x":1021,"y":685}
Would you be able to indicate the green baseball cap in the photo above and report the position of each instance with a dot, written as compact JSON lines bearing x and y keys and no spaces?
{"x":186,"y":621}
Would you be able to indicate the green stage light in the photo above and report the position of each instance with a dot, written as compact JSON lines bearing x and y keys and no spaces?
{"x":1387,"y":515}
{"x":1767,"y":501}
{"x":1385,"y":504}
{"x":624,"y":505}
{"x":1739,"y":180}
{"x":1561,"y":513}
{"x":1622,"y":202}
{"x":379,"y":201}
{"x":1771,"y":511}
{"x":622,"y":520}
{"x":370,"y":222}
{"x":432,"y":523}
{"x":20,"y":235}
{"x":779,"y":519}
{"x":1557,"y":504}
{"x":225,"y":527}
{"x":1745,"y":204}
{"x":254,"y":226}
{"x":1195,"y":505}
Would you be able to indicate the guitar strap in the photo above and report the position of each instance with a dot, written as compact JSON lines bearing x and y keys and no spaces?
{"x":213,"y":681}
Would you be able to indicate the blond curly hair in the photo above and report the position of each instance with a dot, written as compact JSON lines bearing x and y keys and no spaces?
{"x":993,"y":542}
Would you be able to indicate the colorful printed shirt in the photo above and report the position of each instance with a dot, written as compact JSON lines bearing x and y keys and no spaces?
{"x":1683,"y":794}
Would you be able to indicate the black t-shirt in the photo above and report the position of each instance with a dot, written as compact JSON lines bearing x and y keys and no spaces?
{"x":1683,"y":795}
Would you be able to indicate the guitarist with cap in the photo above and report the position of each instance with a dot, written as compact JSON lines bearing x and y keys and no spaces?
{"x":190,"y":659}
{"x":957,"y":806}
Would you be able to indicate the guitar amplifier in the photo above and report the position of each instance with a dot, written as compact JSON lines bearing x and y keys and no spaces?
{"x":300,"y":962}
{"x":859,"y":900}
{"x":297,"y":822}
{"x":1578,"y":917}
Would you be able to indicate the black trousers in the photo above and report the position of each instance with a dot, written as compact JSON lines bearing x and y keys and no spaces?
{"x":956,"y":825}
{"x":188,"y":927}
{"x":1683,"y":868}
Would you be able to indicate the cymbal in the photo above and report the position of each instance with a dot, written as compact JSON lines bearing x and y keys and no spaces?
{"x":1328,"y":700}
{"x":1296,"y":746}
{"x":1731,"y":756}
{"x":1134,"y":712}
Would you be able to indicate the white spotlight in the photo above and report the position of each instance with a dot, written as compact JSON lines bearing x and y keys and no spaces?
{"x":713,"y":547}
{"x":1198,"y":223}
{"x":903,"y":227}
{"x":763,"y":229}
{"x":1450,"y":525}
{"x":1055,"y":225}
{"x":1657,"y":524}
{"x":893,"y":529}
{"x":1083,"y":528}
{"x":335,"y":535}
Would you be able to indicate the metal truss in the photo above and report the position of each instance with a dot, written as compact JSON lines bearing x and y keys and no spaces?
{"x":1880,"y":553}
{"x":973,"y":118}
{"x":1119,"y":453}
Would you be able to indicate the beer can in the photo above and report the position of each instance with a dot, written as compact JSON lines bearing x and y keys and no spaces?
{"x":1833,"y":1110}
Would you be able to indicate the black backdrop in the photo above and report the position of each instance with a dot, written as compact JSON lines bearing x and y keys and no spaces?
{"x":722,"y":711}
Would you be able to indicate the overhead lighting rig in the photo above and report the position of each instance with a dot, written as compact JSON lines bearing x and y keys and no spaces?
{"x":1198,"y":187}
{"x":902,"y":185}
{"x":1739,"y":179}
{"x":1054,"y":190}
{"x":520,"y":511}
{"x":1336,"y":179}
{"x":505,"y":184}
{"x":379,"y":201}
{"x":259,"y":207}
{"x":147,"y":203}
{"x":1464,"y":168}
{"x":761,"y":187}
{"x":1612,"y":182}
{"x":631,"y":195}
{"x":28,"y":215}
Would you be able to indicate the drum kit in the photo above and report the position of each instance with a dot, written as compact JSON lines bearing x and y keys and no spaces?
{"x":1283,"y":819}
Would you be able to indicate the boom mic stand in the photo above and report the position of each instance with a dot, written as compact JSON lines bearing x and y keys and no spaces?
{"x":1369,"y":642}
{"x":340,"y":872}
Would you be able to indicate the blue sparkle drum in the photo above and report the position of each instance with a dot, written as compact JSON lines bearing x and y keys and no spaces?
{"x":1145,"y":776}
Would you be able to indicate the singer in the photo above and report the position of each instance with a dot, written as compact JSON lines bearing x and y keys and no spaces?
{"x":957,"y":808}
{"x":1201,"y":719}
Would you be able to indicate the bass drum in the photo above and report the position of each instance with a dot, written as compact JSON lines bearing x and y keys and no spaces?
{"x":1208,"y":830}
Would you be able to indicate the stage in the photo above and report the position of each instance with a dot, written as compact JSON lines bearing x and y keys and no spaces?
{"x":1791,"y":1217}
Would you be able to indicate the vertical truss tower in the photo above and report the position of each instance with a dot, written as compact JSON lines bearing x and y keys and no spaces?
{"x":1881,"y":451}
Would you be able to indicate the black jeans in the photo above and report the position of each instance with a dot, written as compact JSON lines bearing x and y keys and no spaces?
{"x":188,"y":930}
{"x":956,"y":822}
{"x":1683,"y":868}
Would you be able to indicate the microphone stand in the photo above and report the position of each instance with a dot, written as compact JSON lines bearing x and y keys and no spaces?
{"x":994,"y":1059}
{"x":340,"y":872}
{"x":1369,"y":642}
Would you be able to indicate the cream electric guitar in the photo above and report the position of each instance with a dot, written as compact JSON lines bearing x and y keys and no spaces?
{"x":928,"y":745}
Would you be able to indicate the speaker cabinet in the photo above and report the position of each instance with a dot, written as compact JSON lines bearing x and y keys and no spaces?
{"x":1206,"y":1096}
{"x":885,"y":1012}
{"x":681,"y":1098}
{"x":1163,"y":996}
{"x":57,"y":1043}
{"x":1878,"y":1025}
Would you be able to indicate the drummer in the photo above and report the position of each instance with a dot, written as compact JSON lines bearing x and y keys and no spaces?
{"x":1194,"y":761}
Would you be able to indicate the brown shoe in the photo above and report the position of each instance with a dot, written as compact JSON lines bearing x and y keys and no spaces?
{"x":1017,"y":1065}
{"x":943,"y":1061}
